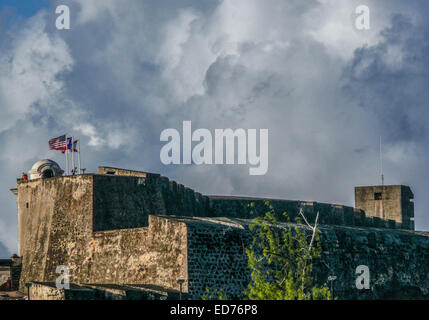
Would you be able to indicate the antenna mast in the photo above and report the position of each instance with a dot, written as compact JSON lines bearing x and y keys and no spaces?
{"x":381,"y":165}
{"x":382,"y":181}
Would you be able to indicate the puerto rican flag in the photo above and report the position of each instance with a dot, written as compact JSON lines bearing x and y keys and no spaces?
{"x":72,"y":145}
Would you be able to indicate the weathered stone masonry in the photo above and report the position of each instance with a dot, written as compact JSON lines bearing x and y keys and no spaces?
{"x":397,"y":259}
{"x":126,"y":227}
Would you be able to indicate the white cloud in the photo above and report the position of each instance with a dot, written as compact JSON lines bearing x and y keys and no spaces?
{"x":31,"y":70}
{"x":89,"y":130}
{"x":91,"y":10}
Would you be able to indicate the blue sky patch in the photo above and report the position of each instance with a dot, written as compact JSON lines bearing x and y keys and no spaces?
{"x":25,"y":8}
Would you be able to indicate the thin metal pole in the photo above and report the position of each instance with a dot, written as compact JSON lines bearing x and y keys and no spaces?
{"x":28,"y":285}
{"x":65,"y":151}
{"x":72,"y":151}
{"x":381,"y":165}
{"x":78,"y":157}
{"x":382,"y":181}
{"x":67,"y":161}
{"x":180,"y":282}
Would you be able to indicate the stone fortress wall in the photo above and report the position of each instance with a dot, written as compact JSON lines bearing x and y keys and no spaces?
{"x":397,"y":259}
{"x":126,"y":227}
{"x":163,"y":196}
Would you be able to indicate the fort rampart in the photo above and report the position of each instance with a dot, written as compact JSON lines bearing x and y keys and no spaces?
{"x":124,"y":228}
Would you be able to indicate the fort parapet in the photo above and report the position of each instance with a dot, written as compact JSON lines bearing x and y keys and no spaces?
{"x":137,"y":228}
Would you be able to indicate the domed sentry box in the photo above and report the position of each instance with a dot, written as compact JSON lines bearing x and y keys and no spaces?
{"x":45,"y":169}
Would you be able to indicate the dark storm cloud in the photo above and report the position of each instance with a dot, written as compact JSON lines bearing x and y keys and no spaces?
{"x":391,"y":80}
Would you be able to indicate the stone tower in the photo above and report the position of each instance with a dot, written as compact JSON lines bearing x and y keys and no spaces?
{"x":387,"y":202}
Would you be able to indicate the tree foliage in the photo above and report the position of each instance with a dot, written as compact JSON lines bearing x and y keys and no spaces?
{"x":215,"y":295}
{"x":281,"y":260}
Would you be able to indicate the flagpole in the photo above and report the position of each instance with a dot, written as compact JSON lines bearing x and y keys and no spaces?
{"x":78,"y":156}
{"x":67,"y":161}
{"x":67,"y":158}
{"x":72,"y":151}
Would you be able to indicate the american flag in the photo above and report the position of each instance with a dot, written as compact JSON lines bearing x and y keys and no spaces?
{"x":58,"y":143}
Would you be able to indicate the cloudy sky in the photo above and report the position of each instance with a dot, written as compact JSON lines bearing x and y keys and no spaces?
{"x":128,"y":69}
